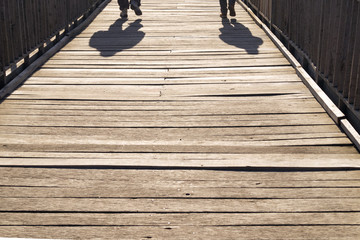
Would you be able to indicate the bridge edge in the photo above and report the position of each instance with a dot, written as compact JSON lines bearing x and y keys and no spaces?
{"x":334,"y":112}
{"x":27,"y":72}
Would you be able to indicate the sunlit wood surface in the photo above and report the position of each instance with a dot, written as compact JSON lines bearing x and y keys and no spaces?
{"x":159,"y":118}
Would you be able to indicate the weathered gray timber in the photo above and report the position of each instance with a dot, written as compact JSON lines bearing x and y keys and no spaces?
{"x":176,"y":124}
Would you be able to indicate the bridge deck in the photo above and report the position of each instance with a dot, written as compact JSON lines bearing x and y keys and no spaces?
{"x":176,"y":87}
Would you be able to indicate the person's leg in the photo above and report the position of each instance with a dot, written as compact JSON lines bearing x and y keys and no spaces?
{"x":123,"y":4}
{"x":136,"y":2}
{"x":223,"y":8}
{"x":232,"y":8}
{"x":135,"y":5}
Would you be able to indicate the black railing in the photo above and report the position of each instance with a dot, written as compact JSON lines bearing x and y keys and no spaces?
{"x":28,"y":28}
{"x":324,"y":35}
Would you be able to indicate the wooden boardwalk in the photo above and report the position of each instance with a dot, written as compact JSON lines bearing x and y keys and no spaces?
{"x":146,"y":128}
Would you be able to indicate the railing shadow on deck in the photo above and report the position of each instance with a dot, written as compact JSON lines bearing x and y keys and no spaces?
{"x":230,"y":34}
{"x":117,"y":38}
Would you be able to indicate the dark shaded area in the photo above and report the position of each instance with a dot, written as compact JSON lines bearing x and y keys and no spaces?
{"x":26,"y":36}
{"x":117,"y":39}
{"x":236,"y":34}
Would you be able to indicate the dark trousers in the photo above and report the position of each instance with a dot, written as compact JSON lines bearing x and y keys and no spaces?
{"x":124,"y":4}
{"x":224,"y":5}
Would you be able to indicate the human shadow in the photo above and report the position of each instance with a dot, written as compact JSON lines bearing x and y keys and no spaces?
{"x":236,"y":34}
{"x":117,"y":39}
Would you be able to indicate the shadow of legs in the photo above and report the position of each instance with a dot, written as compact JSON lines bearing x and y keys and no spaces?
{"x":117,"y":38}
{"x":236,"y":34}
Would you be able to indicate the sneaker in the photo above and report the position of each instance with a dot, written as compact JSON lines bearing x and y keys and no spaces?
{"x":136,"y":9}
{"x":124,"y":13}
{"x":223,"y":15}
{"x":232,"y":11}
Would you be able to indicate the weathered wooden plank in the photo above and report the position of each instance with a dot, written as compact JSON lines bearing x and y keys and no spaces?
{"x":199,"y":53}
{"x":353,"y":135}
{"x":192,"y":72}
{"x":150,"y":113}
{"x":204,"y":140}
{"x":188,"y":46}
{"x":49,"y":175}
{"x":178,"y":219}
{"x":115,"y":64}
{"x":182,"y":160}
{"x":177,"y":24}
{"x":177,"y":189}
{"x":160,"y":81}
{"x":71,"y":186}
{"x":188,"y":232}
{"x":175,"y":205}
{"x":237,"y":105}
{"x":117,"y":92}
{"x":181,"y":149}
{"x":159,"y":104}
{"x":162,"y":55}
{"x":209,"y":105}
{"x":180,"y":145}
{"x":166,"y":121}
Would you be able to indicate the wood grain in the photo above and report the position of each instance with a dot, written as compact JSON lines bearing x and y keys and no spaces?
{"x":179,"y":125}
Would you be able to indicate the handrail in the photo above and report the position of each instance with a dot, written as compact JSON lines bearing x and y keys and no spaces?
{"x":29,"y":28}
{"x":324,"y":36}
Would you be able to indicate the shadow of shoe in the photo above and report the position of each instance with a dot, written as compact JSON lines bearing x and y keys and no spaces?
{"x":117,"y":39}
{"x":236,"y":34}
